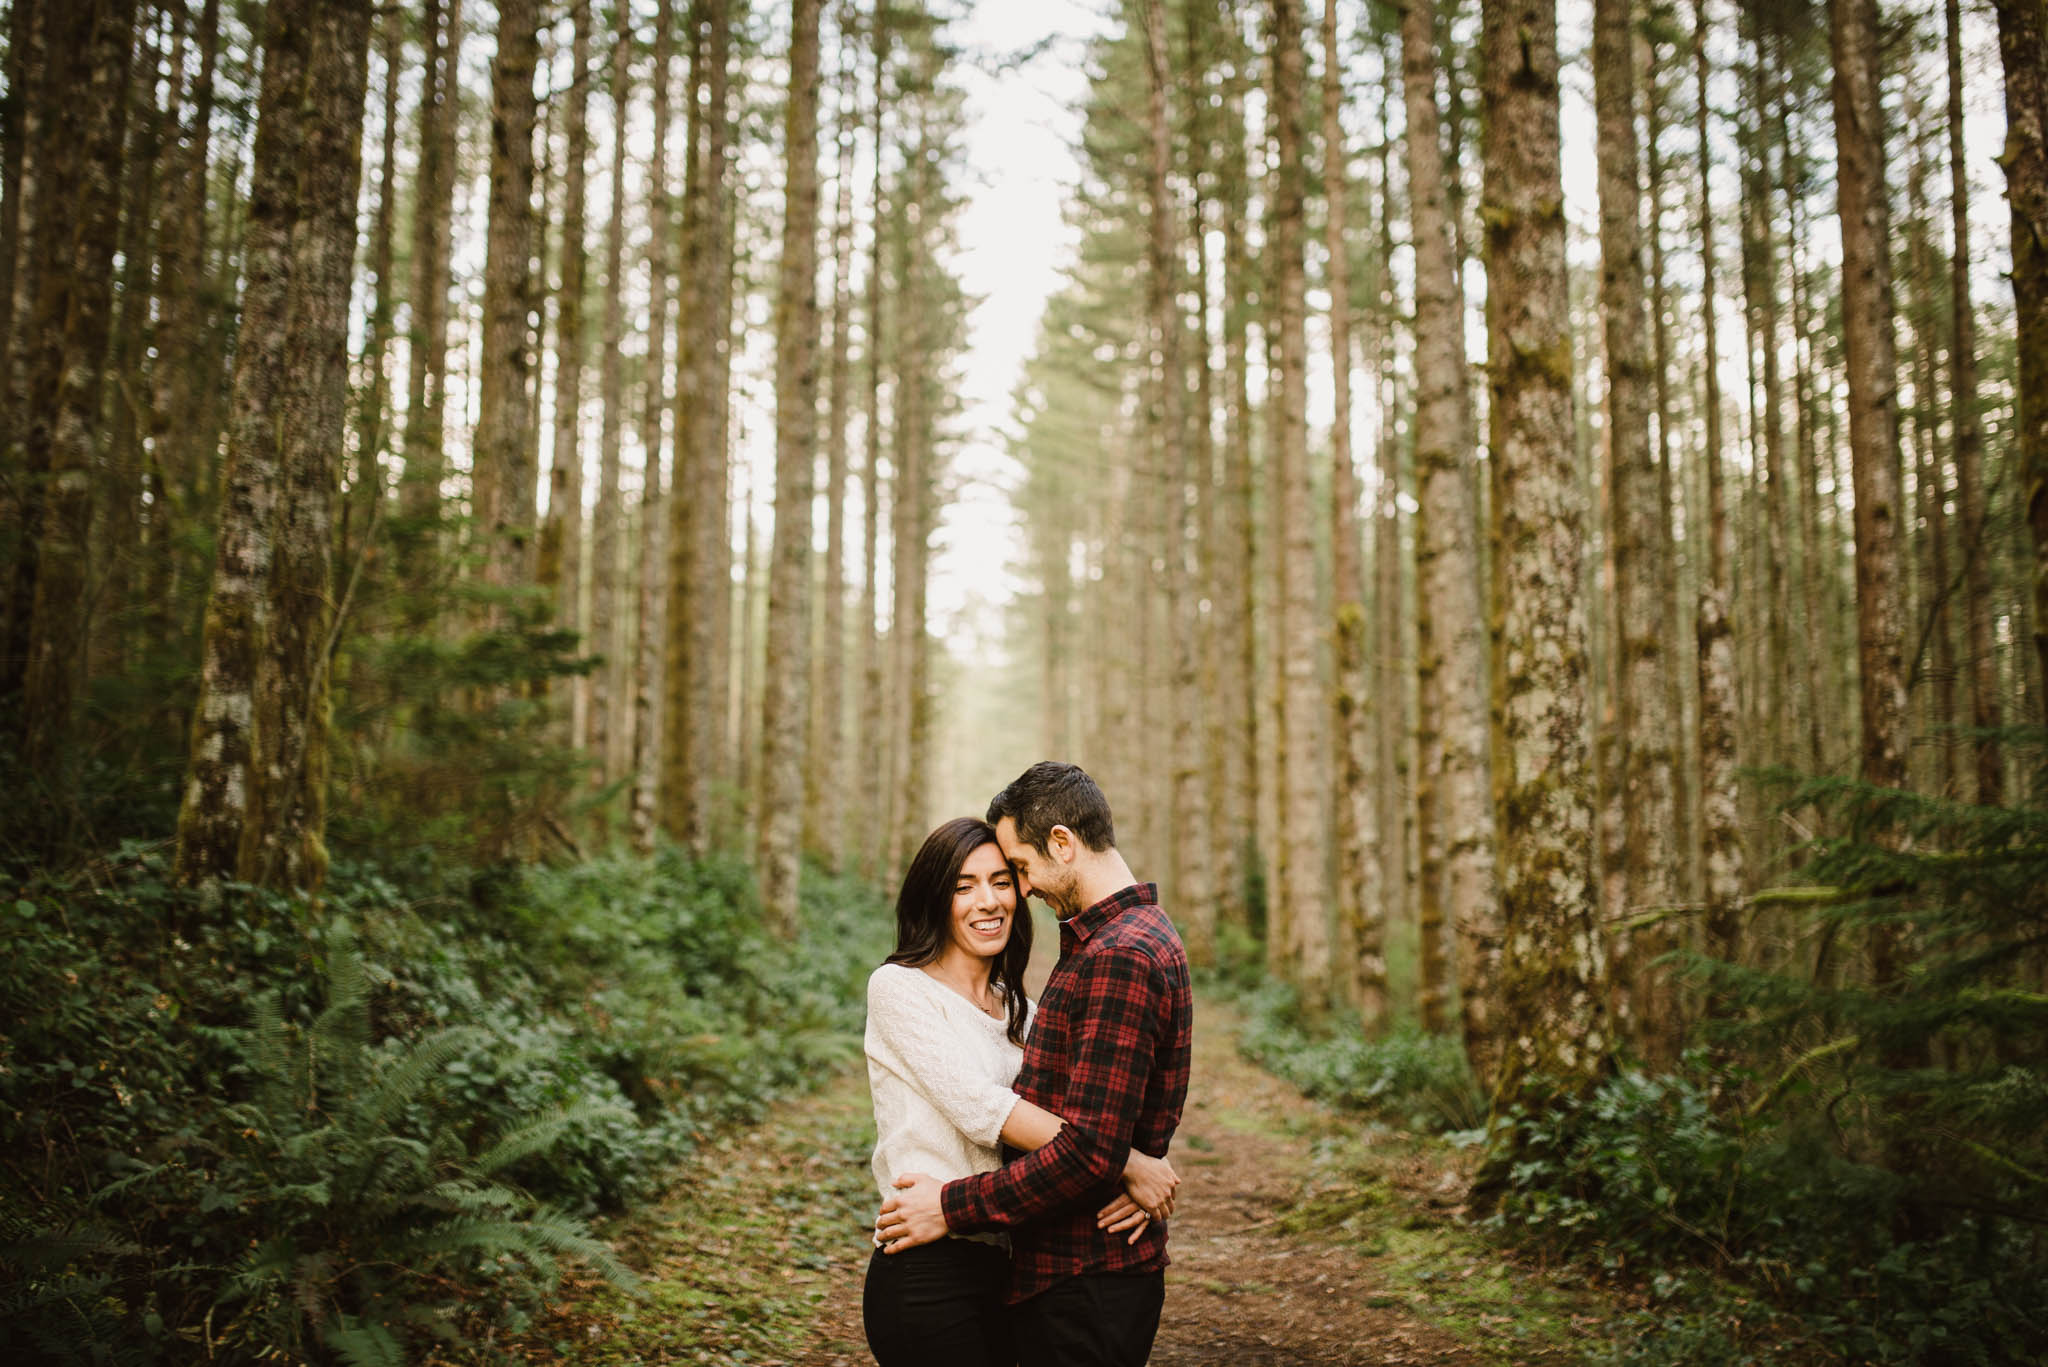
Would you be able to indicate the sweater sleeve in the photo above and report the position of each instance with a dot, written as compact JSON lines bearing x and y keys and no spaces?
{"x":908,"y":1034}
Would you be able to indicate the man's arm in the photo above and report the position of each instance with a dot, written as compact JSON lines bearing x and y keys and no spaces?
{"x":1120,"y":995}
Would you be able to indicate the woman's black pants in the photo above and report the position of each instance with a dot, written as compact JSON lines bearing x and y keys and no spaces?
{"x":939,"y":1304}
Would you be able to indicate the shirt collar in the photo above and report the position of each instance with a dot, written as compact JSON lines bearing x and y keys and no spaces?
{"x":1083,"y":924}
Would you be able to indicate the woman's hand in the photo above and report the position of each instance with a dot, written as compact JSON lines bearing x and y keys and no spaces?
{"x":1149,"y":1185}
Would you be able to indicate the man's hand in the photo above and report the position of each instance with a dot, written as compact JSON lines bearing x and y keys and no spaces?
{"x":913,"y":1216}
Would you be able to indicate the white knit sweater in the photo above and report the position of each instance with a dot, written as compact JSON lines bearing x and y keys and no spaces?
{"x":940,"y":1070}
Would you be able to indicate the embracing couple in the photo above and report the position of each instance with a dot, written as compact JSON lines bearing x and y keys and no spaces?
{"x":1057,"y":1256}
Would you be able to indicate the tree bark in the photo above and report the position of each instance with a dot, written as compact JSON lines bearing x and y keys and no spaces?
{"x":1647,"y":780}
{"x":1302,"y":885}
{"x":1721,"y":852}
{"x":1552,"y":1001}
{"x":1451,"y":652}
{"x":426,"y":395}
{"x":502,"y":476}
{"x":1360,"y":894}
{"x":57,"y":633}
{"x":606,"y":631}
{"x":292,"y":707}
{"x":559,"y":569}
{"x":2023,"y":51}
{"x":824,"y":775}
{"x":1872,"y":367}
{"x":220,"y":820}
{"x":1979,"y":653}
{"x":785,"y":700}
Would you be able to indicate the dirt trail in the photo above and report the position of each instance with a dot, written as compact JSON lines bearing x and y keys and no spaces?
{"x":1304,"y":1239}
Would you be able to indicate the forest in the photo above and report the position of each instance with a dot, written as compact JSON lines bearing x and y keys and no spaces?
{"x":1535,"y":511}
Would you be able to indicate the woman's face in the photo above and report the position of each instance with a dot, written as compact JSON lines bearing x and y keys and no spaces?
{"x":984,"y":903}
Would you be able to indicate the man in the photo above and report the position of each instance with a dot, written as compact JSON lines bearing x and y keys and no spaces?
{"x":1108,"y":1053}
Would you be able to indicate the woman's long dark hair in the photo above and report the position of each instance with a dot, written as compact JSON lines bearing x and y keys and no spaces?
{"x":924,"y":913}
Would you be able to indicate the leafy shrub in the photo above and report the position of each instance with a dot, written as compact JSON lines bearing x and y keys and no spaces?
{"x":1868,"y":1157}
{"x":228,"y":1127}
{"x":1406,"y":1076}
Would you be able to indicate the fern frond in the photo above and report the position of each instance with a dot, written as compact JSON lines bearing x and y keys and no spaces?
{"x":403,"y":1081}
{"x":542,"y":1134}
{"x":361,"y":1343}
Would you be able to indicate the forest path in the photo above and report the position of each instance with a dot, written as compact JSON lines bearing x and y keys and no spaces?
{"x":1304,"y":1239}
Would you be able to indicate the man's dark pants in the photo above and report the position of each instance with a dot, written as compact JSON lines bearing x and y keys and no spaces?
{"x":1103,"y":1319}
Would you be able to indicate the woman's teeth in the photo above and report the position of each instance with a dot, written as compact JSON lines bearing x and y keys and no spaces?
{"x":989,"y":927}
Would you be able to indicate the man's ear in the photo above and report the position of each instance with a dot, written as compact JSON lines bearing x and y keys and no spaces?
{"x":1061,"y":845}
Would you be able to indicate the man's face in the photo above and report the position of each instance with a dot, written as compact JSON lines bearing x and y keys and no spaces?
{"x":1038,"y":874}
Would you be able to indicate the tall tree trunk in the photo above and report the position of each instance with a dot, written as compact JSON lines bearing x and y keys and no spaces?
{"x":1551,"y":1003}
{"x":118,"y":496}
{"x":824,"y":775}
{"x":2023,"y":51}
{"x":1234,"y":586}
{"x":1302,"y":885}
{"x":559,"y":568}
{"x":373,"y":416}
{"x":1774,"y":697}
{"x":607,"y":621}
{"x":1873,"y":402}
{"x":182,"y":441}
{"x":502,"y":476}
{"x":1981,"y":655}
{"x":1934,"y":620}
{"x":58,"y":67}
{"x":650,"y":606}
{"x":785,"y":700}
{"x":426,"y":395}
{"x":219,"y":820}
{"x":1721,"y":851}
{"x":292,"y":705}
{"x":1361,"y":895}
{"x":57,"y":634}
{"x":874,"y":743}
{"x":1168,"y":446}
{"x":1647,"y":779}
{"x":1451,"y":652}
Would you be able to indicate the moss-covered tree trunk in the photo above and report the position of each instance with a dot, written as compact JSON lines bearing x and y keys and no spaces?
{"x":2023,"y":51}
{"x":1360,"y":895}
{"x":825,"y":773}
{"x":502,"y":479}
{"x":785,"y":692}
{"x":559,"y":564}
{"x":1302,"y":908}
{"x":1455,"y":807}
{"x":1980,"y":656}
{"x":293,"y":683}
{"x":1551,"y":995}
{"x":1872,"y":370}
{"x":426,"y":394}
{"x":604,"y":635}
{"x":1721,"y":851}
{"x":1647,"y":780}
{"x":1234,"y":584}
{"x":219,"y":821}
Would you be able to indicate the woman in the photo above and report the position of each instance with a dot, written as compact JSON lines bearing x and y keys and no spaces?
{"x":947,"y":1017}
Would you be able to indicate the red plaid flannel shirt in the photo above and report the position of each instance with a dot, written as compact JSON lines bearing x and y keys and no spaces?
{"x":1108,"y":1054}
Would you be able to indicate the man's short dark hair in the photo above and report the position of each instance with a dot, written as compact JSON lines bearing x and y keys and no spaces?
{"x":1050,"y":794}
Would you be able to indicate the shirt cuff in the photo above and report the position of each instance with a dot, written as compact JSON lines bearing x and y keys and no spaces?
{"x":961,"y":1202}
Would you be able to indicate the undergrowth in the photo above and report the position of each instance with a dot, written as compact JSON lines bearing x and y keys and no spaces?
{"x":236,"y":1129}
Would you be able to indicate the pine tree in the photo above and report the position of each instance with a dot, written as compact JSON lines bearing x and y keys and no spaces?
{"x":785,"y":700}
{"x":1551,"y":1000}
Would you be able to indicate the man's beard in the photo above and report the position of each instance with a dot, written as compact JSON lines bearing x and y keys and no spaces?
{"x":1063,"y":901}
